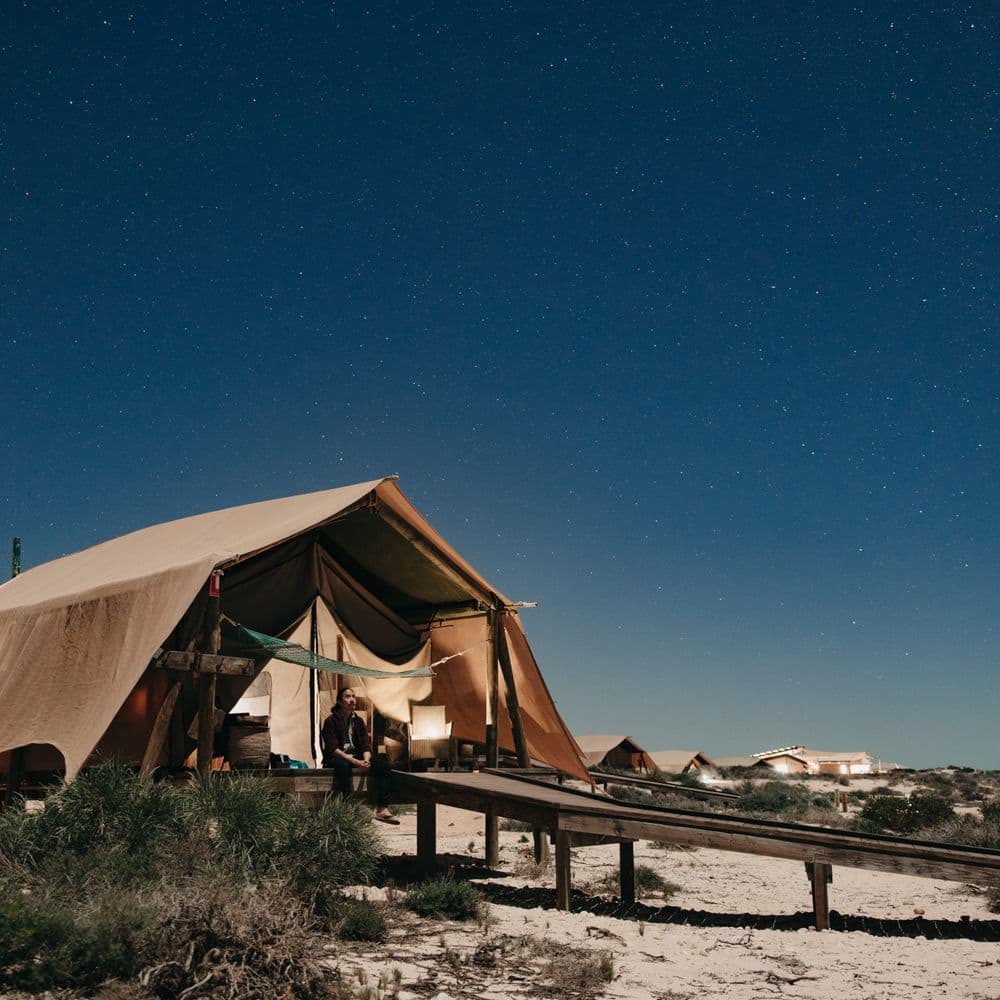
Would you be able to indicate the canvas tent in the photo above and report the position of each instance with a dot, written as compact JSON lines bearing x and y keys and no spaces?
{"x":356,"y":573}
{"x":681,"y":761}
{"x":614,"y":751}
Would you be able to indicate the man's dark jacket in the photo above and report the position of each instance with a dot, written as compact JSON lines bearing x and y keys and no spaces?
{"x":335,"y":735}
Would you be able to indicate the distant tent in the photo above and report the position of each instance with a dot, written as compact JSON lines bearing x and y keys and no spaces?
{"x":354,"y":574}
{"x":614,"y":751}
{"x":681,"y":761}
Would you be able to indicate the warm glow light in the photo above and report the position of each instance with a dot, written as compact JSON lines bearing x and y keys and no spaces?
{"x":430,"y":731}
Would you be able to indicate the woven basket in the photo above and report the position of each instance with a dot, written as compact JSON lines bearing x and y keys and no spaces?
{"x":249,"y":748}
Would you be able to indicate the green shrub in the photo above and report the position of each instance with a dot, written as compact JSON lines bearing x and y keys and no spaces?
{"x":882,"y":813}
{"x":444,"y":897}
{"x":990,"y":809}
{"x":515,"y":825}
{"x":361,"y":920}
{"x":774,"y":797}
{"x":966,"y":830}
{"x":45,"y":946}
{"x":626,"y":793}
{"x":333,"y":846}
{"x":239,"y":816}
{"x":649,"y":880}
{"x":18,"y":839}
{"x":108,"y":807}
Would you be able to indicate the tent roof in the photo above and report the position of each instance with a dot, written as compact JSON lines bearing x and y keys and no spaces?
{"x":743,"y":760}
{"x":596,"y":746}
{"x":672,"y":759}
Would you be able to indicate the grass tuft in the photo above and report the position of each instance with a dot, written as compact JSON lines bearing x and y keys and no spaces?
{"x":445,"y":898}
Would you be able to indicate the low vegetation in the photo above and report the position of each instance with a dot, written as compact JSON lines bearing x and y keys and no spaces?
{"x":445,"y":898}
{"x":903,"y":814}
{"x":215,"y":887}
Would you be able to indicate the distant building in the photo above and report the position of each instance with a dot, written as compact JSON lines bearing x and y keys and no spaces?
{"x":614,"y":751}
{"x":798,"y":760}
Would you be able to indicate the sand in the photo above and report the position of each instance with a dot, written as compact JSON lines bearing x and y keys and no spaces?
{"x":517,"y":952}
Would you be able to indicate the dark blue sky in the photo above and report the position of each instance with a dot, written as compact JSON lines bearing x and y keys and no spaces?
{"x":678,"y":318}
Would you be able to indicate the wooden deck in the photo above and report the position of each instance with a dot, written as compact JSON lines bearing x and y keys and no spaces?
{"x":575,"y":818}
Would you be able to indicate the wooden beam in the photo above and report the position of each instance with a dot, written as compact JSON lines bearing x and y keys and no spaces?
{"x":962,"y":865}
{"x":161,"y":726}
{"x":541,"y":842}
{"x":820,"y":875}
{"x":205,"y":663}
{"x":564,"y":873}
{"x":427,"y":835}
{"x":207,"y":681}
{"x":626,"y":871}
{"x":492,"y":732}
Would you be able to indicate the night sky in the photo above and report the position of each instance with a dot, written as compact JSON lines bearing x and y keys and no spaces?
{"x":679,"y":319}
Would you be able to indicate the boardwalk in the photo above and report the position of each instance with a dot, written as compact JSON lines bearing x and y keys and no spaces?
{"x":574,"y":818}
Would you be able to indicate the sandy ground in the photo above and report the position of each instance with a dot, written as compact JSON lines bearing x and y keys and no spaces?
{"x":517,"y":952}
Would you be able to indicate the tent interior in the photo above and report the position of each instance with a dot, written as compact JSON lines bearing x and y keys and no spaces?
{"x":374,"y":585}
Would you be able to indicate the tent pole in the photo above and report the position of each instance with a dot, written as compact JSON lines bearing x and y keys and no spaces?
{"x":517,"y":726}
{"x":15,"y":767}
{"x":492,"y":736}
{"x":314,"y":682}
{"x":207,"y":682}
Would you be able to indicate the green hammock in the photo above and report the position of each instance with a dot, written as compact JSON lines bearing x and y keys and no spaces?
{"x":292,"y":652}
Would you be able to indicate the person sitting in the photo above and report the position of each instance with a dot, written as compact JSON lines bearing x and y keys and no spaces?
{"x":347,"y":748}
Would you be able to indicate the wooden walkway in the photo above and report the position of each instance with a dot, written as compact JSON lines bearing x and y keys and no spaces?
{"x":575,"y":818}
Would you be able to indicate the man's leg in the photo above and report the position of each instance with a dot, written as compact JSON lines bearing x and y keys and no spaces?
{"x":345,"y":777}
{"x":381,"y":779}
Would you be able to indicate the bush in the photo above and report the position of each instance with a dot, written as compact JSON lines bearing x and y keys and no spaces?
{"x":361,"y":921}
{"x":581,"y":972}
{"x":966,"y":830}
{"x":109,"y":807}
{"x":515,"y":825}
{"x":627,"y":793}
{"x":216,"y":939}
{"x":45,"y":946}
{"x":882,"y":813}
{"x":333,"y":846}
{"x":649,"y":880}
{"x":774,"y":797}
{"x":991,"y":809}
{"x":446,"y":898}
{"x":239,"y":817}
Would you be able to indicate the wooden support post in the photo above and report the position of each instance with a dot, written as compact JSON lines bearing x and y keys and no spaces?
{"x":820,"y":875}
{"x":626,"y":871}
{"x":517,"y":725}
{"x":207,"y":682}
{"x":427,"y":835}
{"x":492,"y":734}
{"x":15,"y":774}
{"x":161,"y":726}
{"x":564,"y":874}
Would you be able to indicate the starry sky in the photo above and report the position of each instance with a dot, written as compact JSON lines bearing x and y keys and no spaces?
{"x":679,"y":319}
